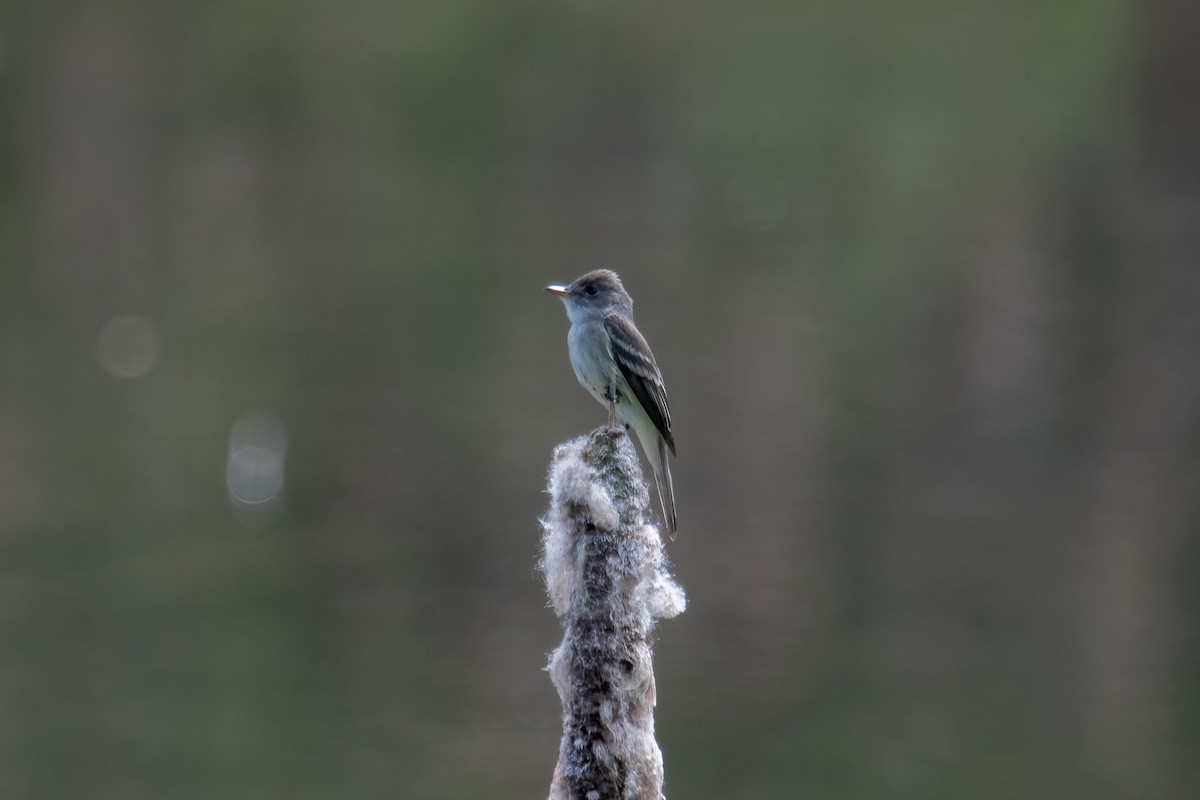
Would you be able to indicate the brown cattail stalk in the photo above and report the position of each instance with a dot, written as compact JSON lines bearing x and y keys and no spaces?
{"x":606,"y":574}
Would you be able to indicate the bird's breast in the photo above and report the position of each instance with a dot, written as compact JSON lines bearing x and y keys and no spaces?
{"x":594,"y":367}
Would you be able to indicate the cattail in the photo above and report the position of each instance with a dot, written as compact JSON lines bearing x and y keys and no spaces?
{"x":606,"y":574}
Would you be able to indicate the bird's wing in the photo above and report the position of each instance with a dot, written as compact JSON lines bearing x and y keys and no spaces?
{"x":636,"y":362}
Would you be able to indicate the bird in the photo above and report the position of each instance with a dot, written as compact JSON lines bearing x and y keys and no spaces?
{"x":613,"y":362}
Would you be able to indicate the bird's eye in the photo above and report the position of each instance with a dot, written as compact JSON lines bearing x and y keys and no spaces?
{"x":591,"y":290}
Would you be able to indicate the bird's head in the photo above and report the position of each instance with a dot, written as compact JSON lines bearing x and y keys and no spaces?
{"x":593,"y":295}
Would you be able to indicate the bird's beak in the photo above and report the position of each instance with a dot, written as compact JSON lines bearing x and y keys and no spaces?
{"x":561,"y":291}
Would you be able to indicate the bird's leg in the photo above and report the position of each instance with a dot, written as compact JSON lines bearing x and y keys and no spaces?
{"x":610,"y":394}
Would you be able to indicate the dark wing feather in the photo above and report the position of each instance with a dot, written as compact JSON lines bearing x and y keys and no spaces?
{"x":637,"y":364}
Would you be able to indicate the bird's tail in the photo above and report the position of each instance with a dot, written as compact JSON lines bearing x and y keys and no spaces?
{"x":666,"y":493}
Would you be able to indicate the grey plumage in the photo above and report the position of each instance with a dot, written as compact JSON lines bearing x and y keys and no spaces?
{"x":637,"y":364}
{"x":614,"y":363}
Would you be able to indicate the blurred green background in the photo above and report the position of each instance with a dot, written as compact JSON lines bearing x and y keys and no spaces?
{"x":280,"y":387}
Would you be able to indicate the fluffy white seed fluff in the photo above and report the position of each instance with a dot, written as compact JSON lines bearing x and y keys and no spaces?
{"x":607,"y":577}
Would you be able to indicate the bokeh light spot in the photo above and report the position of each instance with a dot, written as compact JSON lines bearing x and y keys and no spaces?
{"x":254,"y":471}
{"x":128,"y":346}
